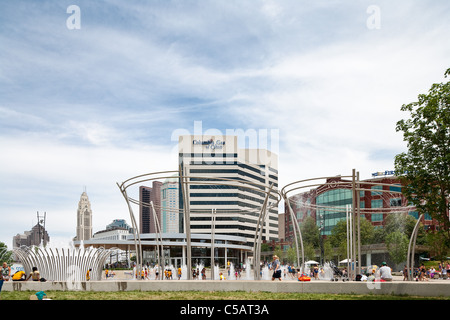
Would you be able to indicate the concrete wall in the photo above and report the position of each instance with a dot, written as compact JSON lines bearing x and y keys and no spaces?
{"x":397,"y":288}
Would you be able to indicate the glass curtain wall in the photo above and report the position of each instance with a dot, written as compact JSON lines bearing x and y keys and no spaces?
{"x":331,"y":208}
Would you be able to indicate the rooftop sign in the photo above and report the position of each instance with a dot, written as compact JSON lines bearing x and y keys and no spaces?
{"x":385,"y":173}
{"x":209,"y":144}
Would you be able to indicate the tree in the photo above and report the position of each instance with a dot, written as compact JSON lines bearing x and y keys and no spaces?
{"x":437,"y":244}
{"x":397,"y":221}
{"x":339,"y":233}
{"x":425,"y":168}
{"x":265,"y":247}
{"x":279,"y":252}
{"x":5,"y":254}
{"x":397,"y":245}
{"x":327,"y":250}
{"x":292,"y":255}
{"x":310,"y":232}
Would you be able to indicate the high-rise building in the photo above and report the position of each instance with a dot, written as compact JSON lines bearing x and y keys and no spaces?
{"x":35,"y":237}
{"x":144,"y":209}
{"x":170,"y":222}
{"x":147,"y":195}
{"x":236,"y":208}
{"x":84,"y":218}
{"x":118,"y":224}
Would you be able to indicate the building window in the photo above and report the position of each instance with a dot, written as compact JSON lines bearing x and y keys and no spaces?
{"x":332,"y":206}
{"x":375,"y":193}
{"x":395,"y":202}
{"x":377,"y":217}
{"x":414,"y":214}
{"x":396,"y":189}
{"x":377,"y":203}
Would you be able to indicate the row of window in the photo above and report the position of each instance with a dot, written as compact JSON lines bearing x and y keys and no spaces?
{"x":331,"y":219}
{"x":230,"y":226}
{"x":231,"y":171}
{"x":234,"y":219}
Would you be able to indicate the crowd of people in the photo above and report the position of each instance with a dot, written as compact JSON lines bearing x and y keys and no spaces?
{"x":5,"y":275}
{"x":425,"y":274}
{"x":287,"y":272}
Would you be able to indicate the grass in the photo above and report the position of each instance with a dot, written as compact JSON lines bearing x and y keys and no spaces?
{"x":200,"y":295}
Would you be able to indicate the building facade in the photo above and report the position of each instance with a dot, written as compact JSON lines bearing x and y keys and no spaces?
{"x":205,"y":159}
{"x":35,"y":237}
{"x":328,"y":204}
{"x":170,"y":218}
{"x":118,"y":224}
{"x":147,"y":195}
{"x":84,"y":218}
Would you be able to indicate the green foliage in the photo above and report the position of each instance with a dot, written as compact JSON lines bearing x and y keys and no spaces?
{"x":265,"y":247}
{"x":425,"y":167}
{"x":439,"y":245}
{"x":310,"y":232}
{"x":397,"y":244}
{"x":338,"y":235}
{"x":5,"y":254}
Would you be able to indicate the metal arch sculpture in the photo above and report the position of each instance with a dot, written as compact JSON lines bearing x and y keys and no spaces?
{"x":123,"y":189}
{"x":356,"y":213}
{"x":69,"y":264}
{"x":297,"y":231}
{"x":411,"y":248}
{"x":413,"y":237}
{"x":4,"y":254}
{"x":184,"y":181}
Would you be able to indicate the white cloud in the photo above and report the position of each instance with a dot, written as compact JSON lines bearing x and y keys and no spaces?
{"x":95,"y":106}
{"x":50,"y":176}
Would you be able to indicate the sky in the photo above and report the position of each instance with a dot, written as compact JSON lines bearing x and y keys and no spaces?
{"x":95,"y":92}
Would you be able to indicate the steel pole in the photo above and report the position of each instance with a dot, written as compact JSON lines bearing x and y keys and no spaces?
{"x":296,"y":232}
{"x":358,"y":214}
{"x":411,"y":248}
{"x":159,"y":247}
{"x":187,"y":223}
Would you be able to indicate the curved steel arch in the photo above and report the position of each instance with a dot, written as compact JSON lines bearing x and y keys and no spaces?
{"x":297,"y":232}
{"x":184,"y":180}
{"x":355,"y":186}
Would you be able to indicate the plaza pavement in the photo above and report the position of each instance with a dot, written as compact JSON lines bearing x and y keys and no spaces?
{"x":432,"y":288}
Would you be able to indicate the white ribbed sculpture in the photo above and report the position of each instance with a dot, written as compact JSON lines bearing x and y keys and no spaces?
{"x":63,"y":264}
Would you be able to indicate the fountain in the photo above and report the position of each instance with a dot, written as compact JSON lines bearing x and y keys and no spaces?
{"x":248,"y":271}
{"x":265,"y":273}
{"x":216,"y":272}
{"x":326,"y":272}
{"x":63,"y":264}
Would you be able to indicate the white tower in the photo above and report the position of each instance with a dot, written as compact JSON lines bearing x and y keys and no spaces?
{"x":84,"y":218}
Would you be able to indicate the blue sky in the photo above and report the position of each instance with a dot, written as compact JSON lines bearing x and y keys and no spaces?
{"x":97,"y":105}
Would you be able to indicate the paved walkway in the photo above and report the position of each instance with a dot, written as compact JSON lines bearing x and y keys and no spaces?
{"x":122,"y":275}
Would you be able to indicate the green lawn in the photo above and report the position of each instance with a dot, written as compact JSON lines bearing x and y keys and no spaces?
{"x":198,"y":295}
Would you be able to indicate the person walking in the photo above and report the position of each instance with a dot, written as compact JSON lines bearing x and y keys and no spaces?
{"x":405,"y":273}
{"x":276,"y":268}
